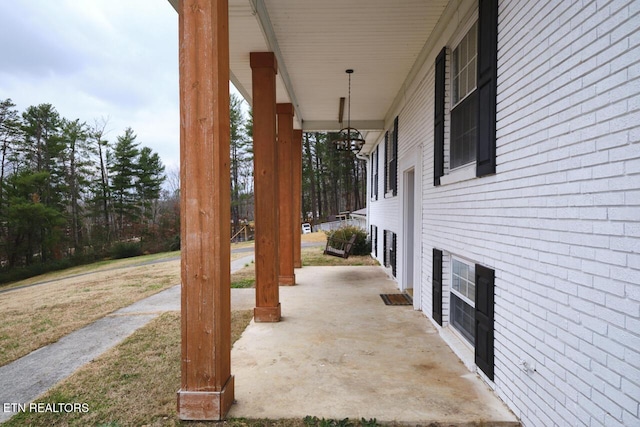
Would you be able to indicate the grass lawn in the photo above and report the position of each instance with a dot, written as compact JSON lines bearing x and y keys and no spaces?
{"x":135,"y":383}
{"x":47,"y":312}
{"x":76,"y":297}
{"x":311,"y":256}
{"x":314,"y":256}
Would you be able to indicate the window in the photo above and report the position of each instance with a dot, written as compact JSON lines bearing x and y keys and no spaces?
{"x":462,"y":147}
{"x":471,"y":311}
{"x":463,"y":295}
{"x":391,"y":160}
{"x":472,"y":85}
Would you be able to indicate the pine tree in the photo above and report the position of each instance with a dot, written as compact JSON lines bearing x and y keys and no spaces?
{"x":124,"y":171}
{"x":42,"y":151}
{"x":10,"y":133}
{"x":149,"y":181}
{"x":99,"y":188}
{"x":77,"y":168}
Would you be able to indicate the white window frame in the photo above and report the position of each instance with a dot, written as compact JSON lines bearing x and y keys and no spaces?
{"x":455,"y":103}
{"x":464,"y":298}
{"x":467,"y":171}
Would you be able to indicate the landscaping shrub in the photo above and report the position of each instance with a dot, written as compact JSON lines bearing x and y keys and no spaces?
{"x":362,"y":245}
{"x":125,"y":250}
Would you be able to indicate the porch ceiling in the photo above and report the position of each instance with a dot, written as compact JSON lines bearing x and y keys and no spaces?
{"x":316,"y":41}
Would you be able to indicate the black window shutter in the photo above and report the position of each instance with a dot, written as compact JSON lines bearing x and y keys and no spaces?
{"x":394,"y":164}
{"x":485,"y":289}
{"x":386,"y":162}
{"x":438,"y":126}
{"x":373,"y":175}
{"x":436,"y":284}
{"x":374,"y":239}
{"x":385,"y":261}
{"x":394,"y":246}
{"x":487,"y":84}
{"x":377,"y":169}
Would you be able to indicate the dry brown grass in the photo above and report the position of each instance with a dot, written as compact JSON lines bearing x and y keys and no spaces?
{"x":133,"y":384}
{"x":113,"y":265}
{"x":39,"y":315}
{"x":35,"y":316}
{"x":315,"y":256}
{"x":94,"y":267}
{"x":317,"y":237}
{"x":311,"y":256}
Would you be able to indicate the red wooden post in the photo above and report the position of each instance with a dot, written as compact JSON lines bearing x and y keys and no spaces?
{"x":265,"y":155}
{"x":207,"y":386}
{"x":285,"y":193}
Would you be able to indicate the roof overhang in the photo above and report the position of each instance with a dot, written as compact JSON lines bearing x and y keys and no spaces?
{"x":314,"y":42}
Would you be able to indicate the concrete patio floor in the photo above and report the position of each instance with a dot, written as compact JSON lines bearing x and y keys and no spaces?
{"x":340,"y":352}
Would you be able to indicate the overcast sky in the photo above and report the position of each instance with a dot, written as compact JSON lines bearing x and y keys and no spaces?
{"x":93,"y":59}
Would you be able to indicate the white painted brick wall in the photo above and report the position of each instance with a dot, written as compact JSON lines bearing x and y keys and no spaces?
{"x":560,"y":221}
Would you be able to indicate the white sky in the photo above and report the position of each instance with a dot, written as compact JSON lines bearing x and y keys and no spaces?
{"x":93,"y":59}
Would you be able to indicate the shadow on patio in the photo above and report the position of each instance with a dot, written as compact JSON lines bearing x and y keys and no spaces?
{"x":340,"y":352}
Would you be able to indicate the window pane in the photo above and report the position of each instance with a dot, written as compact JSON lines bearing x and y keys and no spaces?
{"x":463,"y":52}
{"x":472,"y":74}
{"x":463,"y":279}
{"x":463,"y":132}
{"x":456,"y":282}
{"x":455,"y":76}
{"x":463,"y":66}
{"x":463,"y":318}
{"x":472,"y":39}
{"x":455,"y":68}
{"x":463,"y":82}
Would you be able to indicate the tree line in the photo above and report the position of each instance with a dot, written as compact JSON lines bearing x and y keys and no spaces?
{"x":332,"y":181}
{"x":66,"y":191}
{"x":69,"y":193}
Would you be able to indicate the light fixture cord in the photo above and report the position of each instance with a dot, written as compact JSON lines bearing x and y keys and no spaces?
{"x":349,"y":114}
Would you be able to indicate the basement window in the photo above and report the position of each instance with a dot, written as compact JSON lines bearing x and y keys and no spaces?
{"x":463,"y":294}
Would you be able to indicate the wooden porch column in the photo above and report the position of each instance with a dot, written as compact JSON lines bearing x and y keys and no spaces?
{"x":207,"y":387}
{"x":285,"y":193}
{"x":265,"y":162}
{"x":297,"y":197}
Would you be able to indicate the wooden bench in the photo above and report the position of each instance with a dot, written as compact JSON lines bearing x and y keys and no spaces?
{"x":339,"y":247}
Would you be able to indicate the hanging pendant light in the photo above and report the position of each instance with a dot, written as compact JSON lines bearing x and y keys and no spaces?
{"x":349,"y":139}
